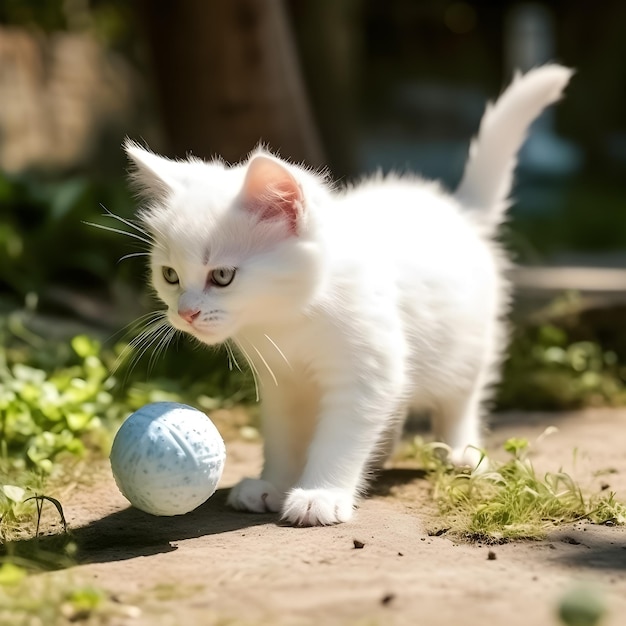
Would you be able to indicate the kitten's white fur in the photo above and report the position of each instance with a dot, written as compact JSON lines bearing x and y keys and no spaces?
{"x":352,"y":306}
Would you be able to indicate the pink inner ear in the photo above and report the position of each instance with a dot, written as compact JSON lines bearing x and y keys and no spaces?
{"x":272,"y":192}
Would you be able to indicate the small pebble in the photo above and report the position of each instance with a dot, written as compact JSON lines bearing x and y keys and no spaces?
{"x":387,"y":599}
{"x":491,"y":555}
{"x":358,"y":545}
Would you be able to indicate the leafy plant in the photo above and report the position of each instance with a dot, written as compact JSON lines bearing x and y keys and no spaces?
{"x":21,"y":513}
{"x":14,"y":509}
{"x":43,"y":414}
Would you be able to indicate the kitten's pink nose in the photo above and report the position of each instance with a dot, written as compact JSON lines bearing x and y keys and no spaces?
{"x":189,"y":315}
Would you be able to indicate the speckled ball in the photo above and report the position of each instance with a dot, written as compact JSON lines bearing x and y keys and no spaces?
{"x":167,"y":458}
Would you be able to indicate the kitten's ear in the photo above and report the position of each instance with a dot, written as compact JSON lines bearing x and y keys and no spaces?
{"x":154,"y":176}
{"x":270,"y":191}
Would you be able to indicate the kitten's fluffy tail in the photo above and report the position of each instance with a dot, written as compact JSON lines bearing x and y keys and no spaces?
{"x":488,"y":175}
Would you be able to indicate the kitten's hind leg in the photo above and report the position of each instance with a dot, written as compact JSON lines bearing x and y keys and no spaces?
{"x":457,"y":422}
{"x":388,"y":441}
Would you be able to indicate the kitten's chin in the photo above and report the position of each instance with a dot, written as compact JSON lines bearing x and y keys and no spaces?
{"x":209,"y":337}
{"x":210,"y":340}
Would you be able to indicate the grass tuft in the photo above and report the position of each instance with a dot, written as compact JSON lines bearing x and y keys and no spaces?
{"x":36,"y":600}
{"x":509,"y":500}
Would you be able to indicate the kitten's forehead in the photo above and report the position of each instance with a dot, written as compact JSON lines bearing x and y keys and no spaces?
{"x":190,"y":241}
{"x":189,"y":215}
{"x":208,"y":193}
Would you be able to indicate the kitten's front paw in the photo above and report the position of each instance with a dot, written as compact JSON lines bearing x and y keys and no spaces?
{"x":256,"y":495}
{"x":318,"y":507}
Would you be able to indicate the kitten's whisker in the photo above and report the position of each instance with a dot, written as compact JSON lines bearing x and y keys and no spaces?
{"x":145,"y":339}
{"x":129,"y":223}
{"x":131,"y":255}
{"x":269,"y":369}
{"x":231,"y":357}
{"x":255,"y":372}
{"x":153,"y":328}
{"x":135,"y":324}
{"x":128,"y":350}
{"x":161,"y":347}
{"x":153,"y":336}
{"x":282,"y":354}
{"x":119,"y":231}
{"x":150,"y":329}
{"x":228,"y":357}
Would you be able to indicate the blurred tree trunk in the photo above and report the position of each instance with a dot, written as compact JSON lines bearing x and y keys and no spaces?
{"x":227,"y":77}
{"x":330,"y":41}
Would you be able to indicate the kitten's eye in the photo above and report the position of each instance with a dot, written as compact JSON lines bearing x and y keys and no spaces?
{"x":170,"y":275}
{"x":223,"y":276}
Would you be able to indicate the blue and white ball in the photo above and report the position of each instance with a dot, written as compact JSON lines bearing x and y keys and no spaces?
{"x":167,"y":458}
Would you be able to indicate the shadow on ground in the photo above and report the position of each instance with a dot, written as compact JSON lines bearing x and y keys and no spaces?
{"x":591,"y":547}
{"x":388,"y":479}
{"x":131,"y":533}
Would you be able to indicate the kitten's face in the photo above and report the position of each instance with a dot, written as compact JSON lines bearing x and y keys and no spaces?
{"x":232,"y":248}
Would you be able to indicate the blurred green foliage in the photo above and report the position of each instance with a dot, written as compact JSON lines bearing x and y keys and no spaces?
{"x":112,"y":21}
{"x":584,"y":214}
{"x":44,"y":240}
{"x":48,"y":15}
{"x":548,"y":369}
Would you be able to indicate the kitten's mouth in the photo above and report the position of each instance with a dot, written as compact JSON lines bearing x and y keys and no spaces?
{"x":206,"y":333}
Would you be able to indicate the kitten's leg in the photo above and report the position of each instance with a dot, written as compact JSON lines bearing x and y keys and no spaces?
{"x":282,"y":464}
{"x":457,"y":422}
{"x":390,"y":439}
{"x":349,"y":427}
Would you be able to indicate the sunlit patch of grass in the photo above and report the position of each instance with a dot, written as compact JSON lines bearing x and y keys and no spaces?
{"x":33,"y":531}
{"x":509,"y":500}
{"x":55,"y":601}
{"x":15,"y":508}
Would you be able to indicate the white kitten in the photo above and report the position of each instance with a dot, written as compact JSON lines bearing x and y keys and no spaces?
{"x":351,"y":306}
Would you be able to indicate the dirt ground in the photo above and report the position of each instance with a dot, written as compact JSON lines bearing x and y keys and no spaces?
{"x":218,"y":566}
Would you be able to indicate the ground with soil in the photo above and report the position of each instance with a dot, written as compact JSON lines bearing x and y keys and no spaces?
{"x":215,"y":565}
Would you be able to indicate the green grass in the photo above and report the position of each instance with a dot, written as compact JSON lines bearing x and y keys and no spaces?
{"x":55,"y":601}
{"x":509,"y":500}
